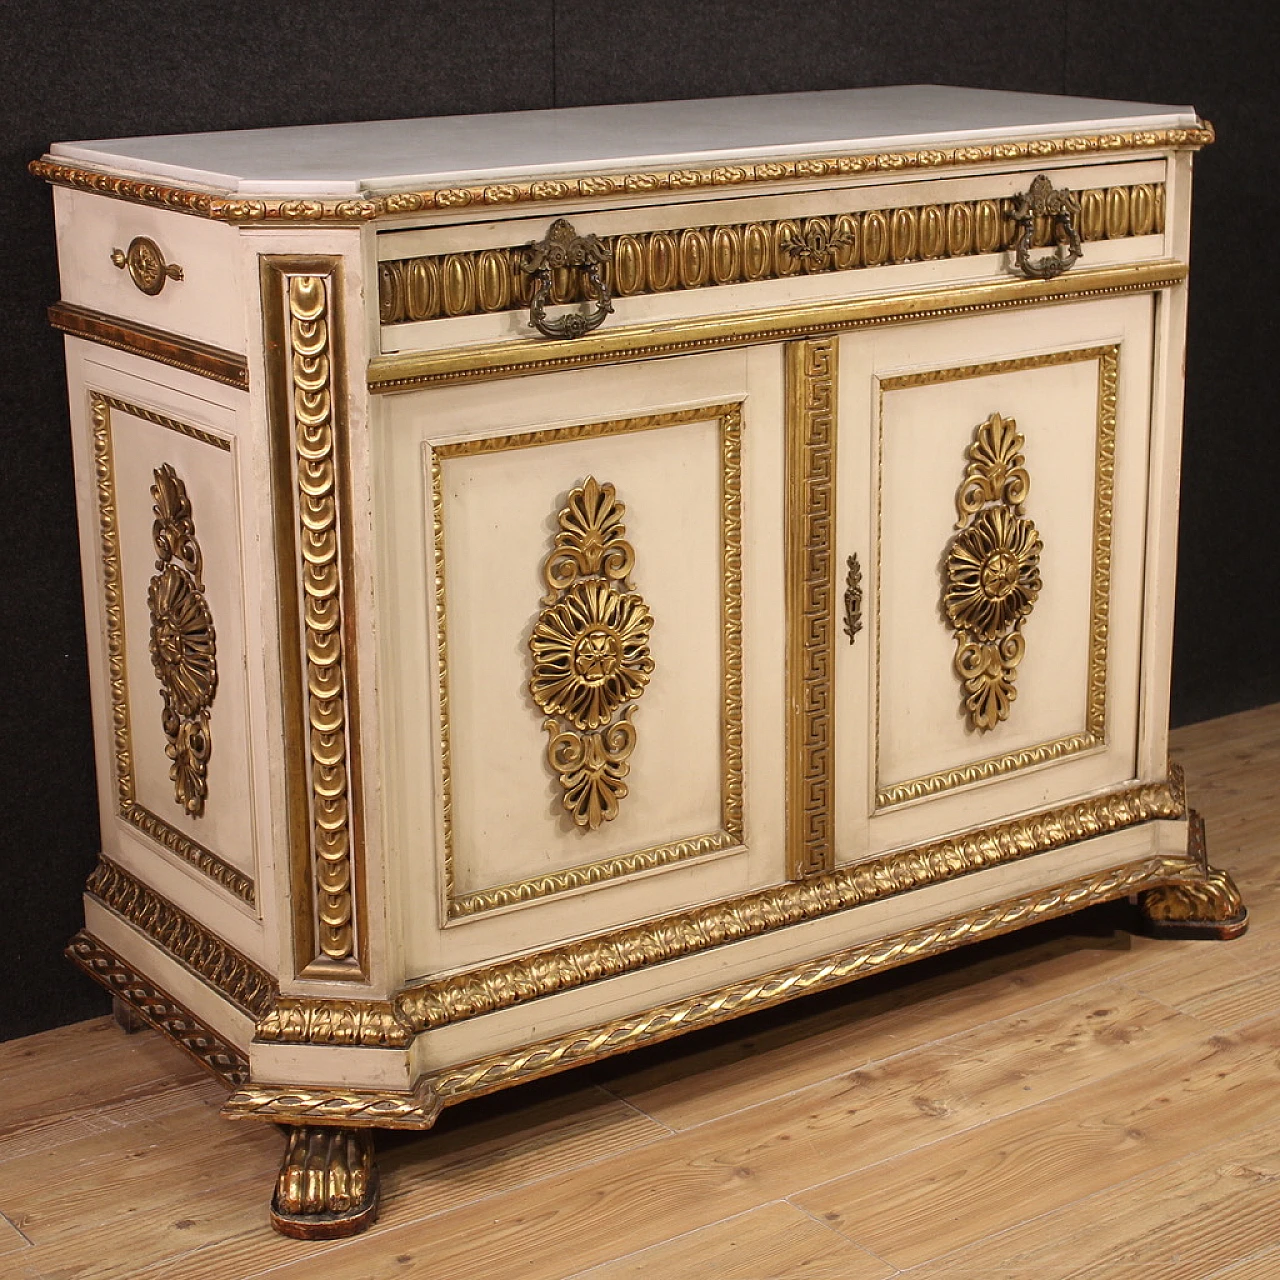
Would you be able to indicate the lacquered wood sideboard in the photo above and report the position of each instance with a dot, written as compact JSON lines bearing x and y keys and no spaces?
{"x":560,"y":579}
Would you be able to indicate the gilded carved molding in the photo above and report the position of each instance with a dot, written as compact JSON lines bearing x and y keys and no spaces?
{"x":512,"y":357}
{"x":491,"y":281}
{"x":294,"y":210}
{"x":142,"y":340}
{"x":101,"y":408}
{"x":300,"y":298}
{"x":184,"y":650}
{"x":420,"y":1108}
{"x":437,"y":1003}
{"x":811,"y":593}
{"x":991,"y":571}
{"x":304,"y":1020}
{"x":1093,"y":733}
{"x":591,"y":654}
{"x":232,"y":974}
{"x":729,"y":418}
{"x":159,"y":1010}
{"x":510,"y":982}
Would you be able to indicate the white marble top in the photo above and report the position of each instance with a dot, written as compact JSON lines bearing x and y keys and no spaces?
{"x":341,"y":160}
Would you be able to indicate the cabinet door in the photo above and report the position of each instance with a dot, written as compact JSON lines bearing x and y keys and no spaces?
{"x":994,"y":482}
{"x":586,"y":648}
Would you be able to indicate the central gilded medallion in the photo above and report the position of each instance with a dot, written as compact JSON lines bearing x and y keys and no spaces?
{"x":991,"y":574}
{"x":590,"y":648}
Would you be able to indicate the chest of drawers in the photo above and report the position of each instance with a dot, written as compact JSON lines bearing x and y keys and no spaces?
{"x":561,"y":579}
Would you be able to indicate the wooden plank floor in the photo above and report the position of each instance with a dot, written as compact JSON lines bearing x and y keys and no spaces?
{"x":1071,"y":1102}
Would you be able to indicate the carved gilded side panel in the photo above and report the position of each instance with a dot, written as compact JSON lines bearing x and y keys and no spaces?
{"x":182,"y":634}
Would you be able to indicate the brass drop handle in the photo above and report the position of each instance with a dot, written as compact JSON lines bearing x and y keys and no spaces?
{"x":853,"y":598}
{"x":564,"y":247}
{"x":1042,"y":200}
{"x":146,"y":265}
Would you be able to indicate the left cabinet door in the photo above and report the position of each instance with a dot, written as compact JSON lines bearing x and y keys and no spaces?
{"x":582,"y":622}
{"x":167,"y":543}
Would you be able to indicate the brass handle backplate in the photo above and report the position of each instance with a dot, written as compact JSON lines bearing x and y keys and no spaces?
{"x":146,"y":265}
{"x":564,"y":248}
{"x":1043,"y":201}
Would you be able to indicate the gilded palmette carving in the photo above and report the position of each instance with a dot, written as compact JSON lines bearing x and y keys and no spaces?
{"x":811,"y":591}
{"x":308,"y":413}
{"x":991,"y":575}
{"x":183,"y":641}
{"x":420,"y":1108}
{"x":510,"y":982}
{"x":101,"y":408}
{"x":492,"y":280}
{"x":591,"y":657}
{"x":160,"y":1010}
{"x":233,"y":975}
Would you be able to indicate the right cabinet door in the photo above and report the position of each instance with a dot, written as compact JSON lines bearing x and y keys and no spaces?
{"x":993,"y":483}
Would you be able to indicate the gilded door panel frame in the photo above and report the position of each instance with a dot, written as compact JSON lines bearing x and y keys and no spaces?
{"x":1093,"y":736}
{"x":729,"y":416}
{"x":101,"y":406}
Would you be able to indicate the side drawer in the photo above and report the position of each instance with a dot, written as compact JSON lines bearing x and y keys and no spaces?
{"x":100,"y":272}
{"x":463,"y":283}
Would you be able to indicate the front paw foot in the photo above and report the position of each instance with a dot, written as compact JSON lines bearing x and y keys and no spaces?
{"x":328,"y":1183}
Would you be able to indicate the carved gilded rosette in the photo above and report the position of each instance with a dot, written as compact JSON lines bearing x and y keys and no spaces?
{"x":991,"y":573}
{"x":591,"y":659}
{"x":183,"y":643}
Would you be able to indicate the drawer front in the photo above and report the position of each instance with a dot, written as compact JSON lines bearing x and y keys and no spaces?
{"x":465,"y":283}
{"x":169,"y":271}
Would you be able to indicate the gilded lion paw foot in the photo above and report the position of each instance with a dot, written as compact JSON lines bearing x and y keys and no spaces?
{"x":328,"y":1183}
{"x":1208,"y":908}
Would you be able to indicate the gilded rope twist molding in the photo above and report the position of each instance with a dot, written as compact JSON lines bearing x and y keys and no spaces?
{"x":159,"y":1009}
{"x":247,"y":985}
{"x":490,"y":281}
{"x":312,"y":378}
{"x":225,"y":208}
{"x":418,"y":1109}
{"x":101,"y":407}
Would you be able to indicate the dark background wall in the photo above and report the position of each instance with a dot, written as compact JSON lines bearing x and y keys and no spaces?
{"x":119,"y":67}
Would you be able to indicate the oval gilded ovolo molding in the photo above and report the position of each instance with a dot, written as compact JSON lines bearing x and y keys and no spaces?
{"x":487,"y":281}
{"x":184,"y":647}
{"x":991,"y":571}
{"x":591,"y":659}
